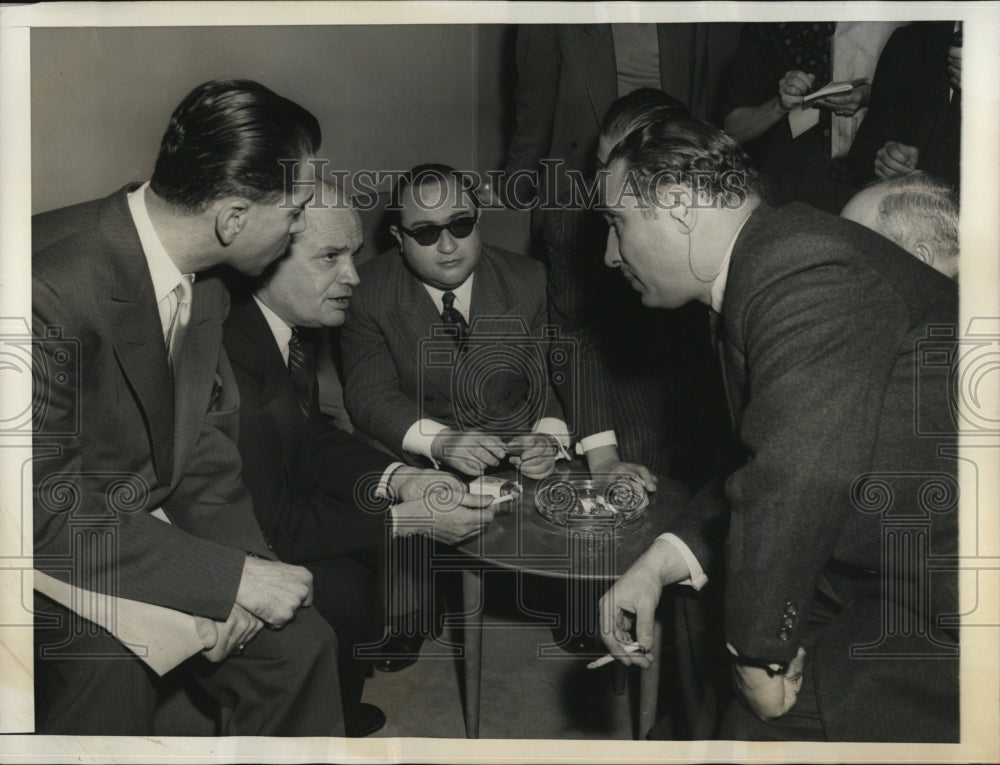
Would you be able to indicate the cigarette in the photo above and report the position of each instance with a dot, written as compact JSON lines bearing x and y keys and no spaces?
{"x":502,"y":499}
{"x":608,"y":658}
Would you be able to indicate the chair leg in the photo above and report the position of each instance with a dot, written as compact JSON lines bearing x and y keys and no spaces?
{"x":619,"y":678}
{"x":472,"y":607}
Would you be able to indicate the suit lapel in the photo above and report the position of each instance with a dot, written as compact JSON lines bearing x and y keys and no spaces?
{"x":195,"y":369}
{"x":413,"y":322}
{"x":136,"y":332}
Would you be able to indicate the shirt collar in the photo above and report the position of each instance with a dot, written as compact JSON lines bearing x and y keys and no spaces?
{"x":279,"y":328}
{"x":164,"y":273}
{"x":719,"y":284}
{"x":463,"y":296}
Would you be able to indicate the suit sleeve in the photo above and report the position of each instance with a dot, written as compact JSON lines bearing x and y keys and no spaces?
{"x":325,"y":520}
{"x":879,"y":125}
{"x":540,"y":320}
{"x":372,"y":393}
{"x":538,"y":67}
{"x":570,"y":283}
{"x":145,"y":559}
{"x":820,"y":346}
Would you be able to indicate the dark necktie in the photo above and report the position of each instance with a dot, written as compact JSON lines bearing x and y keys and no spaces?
{"x":303,"y":377}
{"x":451,"y":315}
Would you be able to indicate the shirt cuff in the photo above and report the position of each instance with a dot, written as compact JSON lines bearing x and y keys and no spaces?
{"x":556,"y":428}
{"x":383,"y":490}
{"x":697,"y":578}
{"x":604,"y":438}
{"x":420,"y":436}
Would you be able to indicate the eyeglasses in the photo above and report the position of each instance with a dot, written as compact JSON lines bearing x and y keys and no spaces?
{"x":428,"y":235}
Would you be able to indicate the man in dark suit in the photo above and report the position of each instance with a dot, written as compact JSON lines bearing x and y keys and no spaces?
{"x":320,"y":494}
{"x":914,"y":119}
{"x":445,"y":353}
{"x":136,"y":478}
{"x":823,"y":325}
{"x":625,"y":402}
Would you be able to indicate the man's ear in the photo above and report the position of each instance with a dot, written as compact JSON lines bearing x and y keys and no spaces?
{"x":394,"y":230}
{"x":678,"y":202}
{"x":231,"y":218}
{"x":925,"y":253}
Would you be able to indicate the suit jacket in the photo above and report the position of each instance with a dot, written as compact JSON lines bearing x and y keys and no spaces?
{"x":848,"y":451}
{"x":399,"y":368}
{"x":312,"y":484}
{"x":114,"y":440}
{"x":567,"y":79}
{"x":911,"y":103}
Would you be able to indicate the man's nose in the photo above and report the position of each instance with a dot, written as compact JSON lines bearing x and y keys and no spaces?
{"x":612,"y":257}
{"x":349,"y":275}
{"x":446,"y":242}
{"x":299,"y":225}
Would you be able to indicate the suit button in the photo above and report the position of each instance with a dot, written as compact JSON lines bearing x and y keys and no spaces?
{"x":783,"y":635}
{"x":789,"y":622}
{"x":790,"y":609}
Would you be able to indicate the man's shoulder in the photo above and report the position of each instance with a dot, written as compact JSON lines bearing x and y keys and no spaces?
{"x":76,"y":231}
{"x":514,"y":267}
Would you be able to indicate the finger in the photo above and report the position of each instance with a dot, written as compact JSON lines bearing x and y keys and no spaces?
{"x":486,"y":456}
{"x":474,"y":501}
{"x":207,"y":632}
{"x":494,"y":446}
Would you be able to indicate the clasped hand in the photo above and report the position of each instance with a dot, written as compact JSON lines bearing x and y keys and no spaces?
{"x":440,"y":504}
{"x":472,"y":452}
{"x":769,"y":693}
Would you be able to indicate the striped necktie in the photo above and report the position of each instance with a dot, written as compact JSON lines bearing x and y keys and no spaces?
{"x":301,"y":372}
{"x":451,"y":315}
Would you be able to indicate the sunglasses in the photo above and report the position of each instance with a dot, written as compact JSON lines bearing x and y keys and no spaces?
{"x":427,"y":235}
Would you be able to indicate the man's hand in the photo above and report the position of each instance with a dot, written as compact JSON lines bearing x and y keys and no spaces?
{"x":470,"y":452}
{"x":639,"y":472}
{"x":846,"y":104}
{"x":534,"y":453}
{"x":450,"y":515}
{"x":408,"y":483}
{"x":274,"y":591}
{"x":955,"y":66}
{"x":632,"y":600}
{"x":769,"y":694}
{"x":895,"y":159}
{"x":223,"y":638}
{"x":792,"y":87}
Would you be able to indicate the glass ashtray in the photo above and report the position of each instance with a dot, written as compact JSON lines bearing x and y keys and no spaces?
{"x":616,"y":502}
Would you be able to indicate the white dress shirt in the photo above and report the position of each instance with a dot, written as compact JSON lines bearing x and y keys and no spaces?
{"x":162,"y":269}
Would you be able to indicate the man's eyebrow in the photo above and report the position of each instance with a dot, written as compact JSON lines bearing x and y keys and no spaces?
{"x":456,"y":216}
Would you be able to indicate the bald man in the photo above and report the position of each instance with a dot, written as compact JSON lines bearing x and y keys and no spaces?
{"x":307,"y":477}
{"x":916,"y":211}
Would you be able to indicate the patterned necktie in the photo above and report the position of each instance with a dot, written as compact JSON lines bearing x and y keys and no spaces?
{"x":303,"y":377}
{"x":451,"y":315}
{"x":180,"y":316}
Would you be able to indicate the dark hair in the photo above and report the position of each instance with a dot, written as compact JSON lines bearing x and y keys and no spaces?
{"x":689,"y":152}
{"x":228,"y":137}
{"x":638,"y":109}
{"x":917,"y":207}
{"x":426,"y":173}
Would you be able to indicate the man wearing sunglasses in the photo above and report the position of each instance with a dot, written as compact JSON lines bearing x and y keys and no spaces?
{"x":444,"y":349}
